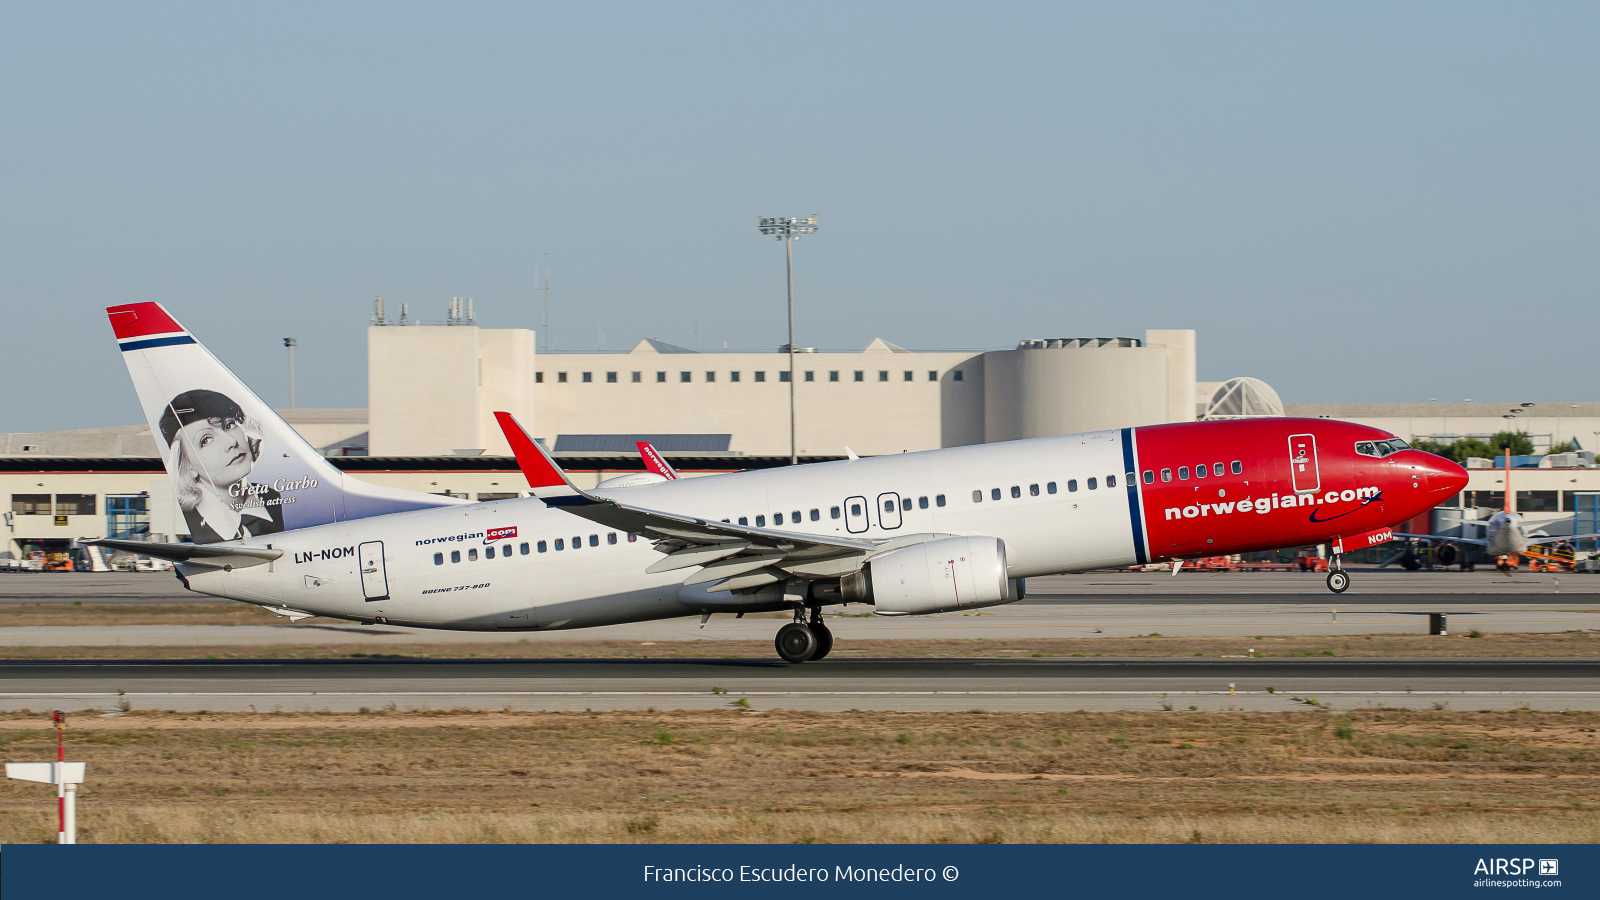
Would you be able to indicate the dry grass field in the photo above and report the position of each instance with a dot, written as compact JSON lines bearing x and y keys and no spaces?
{"x":731,"y":776}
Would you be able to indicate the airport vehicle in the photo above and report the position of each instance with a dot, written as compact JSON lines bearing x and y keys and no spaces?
{"x":274,"y":524}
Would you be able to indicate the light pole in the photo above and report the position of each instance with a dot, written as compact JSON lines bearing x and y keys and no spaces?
{"x":290,"y":343}
{"x":790,"y":230}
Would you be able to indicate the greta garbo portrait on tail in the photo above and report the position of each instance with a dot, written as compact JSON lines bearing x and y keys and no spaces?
{"x":213,"y":446}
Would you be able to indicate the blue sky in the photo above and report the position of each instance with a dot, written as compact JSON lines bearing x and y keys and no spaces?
{"x":1352,"y":201}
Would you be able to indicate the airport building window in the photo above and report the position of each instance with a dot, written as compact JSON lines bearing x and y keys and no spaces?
{"x":524,"y":548}
{"x":1183,"y":473}
{"x":733,"y":376}
{"x":922,"y":502}
{"x":1050,"y":488}
{"x":833,"y":512}
{"x":761,"y":521}
{"x":994,"y":493}
{"x":939,"y":500}
{"x":1093,"y":484}
{"x":638,"y":377}
{"x":1527,"y":501}
{"x":711,"y":376}
{"x":542,"y":546}
{"x":883,"y":374}
{"x":438,"y":559}
{"x":611,"y":538}
{"x":761,"y":376}
{"x":860,"y":375}
{"x":561,"y":378}
{"x":744,"y":520}
{"x":588,"y":378}
{"x":538,"y":378}
{"x":833,"y":376}
{"x":1111,"y":481}
{"x":561,"y":544}
{"x":911,"y":376}
{"x":661,"y":377}
{"x":956,"y":375}
{"x":455,"y":556}
{"x":1033,"y":490}
{"x":488,"y":552}
{"x":1072,"y":485}
{"x":816,"y":515}
{"x":594,"y":540}
{"x":472,"y":554}
{"x":1238,"y":467}
{"x":933,"y":375}
{"x":74,"y":504}
{"x":811,"y":376}
{"x":685,"y":377}
{"x":1216,"y":469}
{"x":1016,"y":492}
{"x":1200,"y":471}
{"x":783,"y":376}
{"x":977,"y":496}
{"x":611,"y":378}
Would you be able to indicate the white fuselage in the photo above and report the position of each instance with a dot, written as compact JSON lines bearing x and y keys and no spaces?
{"x":1506,"y":534}
{"x":432,"y":568}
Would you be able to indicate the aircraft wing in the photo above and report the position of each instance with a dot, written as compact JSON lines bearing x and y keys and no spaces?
{"x":218,"y":556}
{"x":1445,"y":539}
{"x":1562,"y":537}
{"x":736,"y":557}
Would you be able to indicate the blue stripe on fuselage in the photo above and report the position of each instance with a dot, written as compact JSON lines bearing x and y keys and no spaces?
{"x":1131,"y":475}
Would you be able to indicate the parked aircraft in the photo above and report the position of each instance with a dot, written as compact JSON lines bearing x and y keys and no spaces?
{"x":274,"y":524}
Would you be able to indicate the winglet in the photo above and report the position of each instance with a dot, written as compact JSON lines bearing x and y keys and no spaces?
{"x":548,"y":482}
{"x":654,"y":462}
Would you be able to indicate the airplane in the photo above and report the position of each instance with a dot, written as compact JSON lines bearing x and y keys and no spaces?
{"x":656,"y":471}
{"x":1506,"y":534}
{"x":274,"y":524}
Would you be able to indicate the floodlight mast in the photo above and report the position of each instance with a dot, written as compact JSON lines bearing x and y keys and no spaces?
{"x":790,"y":230}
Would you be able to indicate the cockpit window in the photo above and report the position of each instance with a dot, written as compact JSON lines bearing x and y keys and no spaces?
{"x":1380,"y":449}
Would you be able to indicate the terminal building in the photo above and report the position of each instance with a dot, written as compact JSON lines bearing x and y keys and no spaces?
{"x":433,"y":389}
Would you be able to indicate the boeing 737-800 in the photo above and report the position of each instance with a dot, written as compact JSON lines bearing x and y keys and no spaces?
{"x":274,"y":524}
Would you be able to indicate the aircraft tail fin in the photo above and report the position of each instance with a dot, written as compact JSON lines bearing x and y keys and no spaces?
{"x":654,"y":462}
{"x":238,"y":470}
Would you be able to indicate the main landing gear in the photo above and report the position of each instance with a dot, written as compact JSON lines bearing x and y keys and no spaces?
{"x":1338,"y":581}
{"x":800,"y":641}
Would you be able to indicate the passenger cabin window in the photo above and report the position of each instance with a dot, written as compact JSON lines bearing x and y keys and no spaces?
{"x":977,"y":496}
{"x":1149,"y":476}
{"x":1166,"y":474}
{"x":1216,"y":469}
{"x":994,"y":493}
{"x":594,"y":540}
{"x":888,"y":506}
{"x":1072,"y":485}
{"x":816,"y":515}
{"x":472,"y":554}
{"x":524,"y":549}
{"x":438,"y":559}
{"x":1200,"y":471}
{"x":577,"y":541}
{"x":561,"y":544}
{"x":1033,"y":490}
{"x":1016,"y":491}
{"x":939,"y":500}
{"x":1111,"y":481}
{"x":855,"y":509}
{"x":794,"y":517}
{"x":1238,"y":467}
{"x":611,"y":538}
{"x":833,"y":512}
{"x":455,"y":556}
{"x":761,"y":521}
{"x":777,"y":518}
{"x":1093,"y":484}
{"x":488,"y":552}
{"x":922,"y":502}
{"x":743,"y":520}
{"x":1183,"y":473}
{"x":542,"y":546}
{"x":1050,"y":488}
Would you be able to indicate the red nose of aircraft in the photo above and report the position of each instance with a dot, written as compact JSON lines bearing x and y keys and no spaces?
{"x":1442,"y":478}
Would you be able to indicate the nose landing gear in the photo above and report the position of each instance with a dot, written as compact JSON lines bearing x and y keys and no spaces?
{"x":1338,"y":581}
{"x":801,"y":641}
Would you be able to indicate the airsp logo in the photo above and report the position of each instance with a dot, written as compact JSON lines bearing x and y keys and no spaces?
{"x":1549,"y":867}
{"x":1516,"y":867}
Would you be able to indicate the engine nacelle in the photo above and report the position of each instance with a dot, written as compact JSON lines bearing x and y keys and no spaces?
{"x":938,"y":576}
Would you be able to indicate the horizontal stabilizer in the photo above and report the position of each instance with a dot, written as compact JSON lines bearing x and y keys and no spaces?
{"x":213,"y":555}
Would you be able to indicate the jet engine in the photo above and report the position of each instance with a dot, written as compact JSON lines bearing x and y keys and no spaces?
{"x":937,"y":576}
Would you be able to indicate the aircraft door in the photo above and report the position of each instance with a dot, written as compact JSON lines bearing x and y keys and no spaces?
{"x":888,"y":511}
{"x":374,"y":576}
{"x":856,"y":519}
{"x":1303,"y":463}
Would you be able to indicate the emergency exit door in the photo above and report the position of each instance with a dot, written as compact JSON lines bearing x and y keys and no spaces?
{"x":374,"y":580}
{"x":1303,"y":463}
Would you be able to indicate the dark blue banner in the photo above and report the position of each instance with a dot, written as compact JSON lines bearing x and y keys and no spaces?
{"x":294,"y":872}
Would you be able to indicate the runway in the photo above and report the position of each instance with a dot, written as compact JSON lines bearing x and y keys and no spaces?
{"x":941,"y":684}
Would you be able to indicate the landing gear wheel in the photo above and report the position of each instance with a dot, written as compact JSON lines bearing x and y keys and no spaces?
{"x":1338,"y":581}
{"x":796,"y":642}
{"x":824,"y":640}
